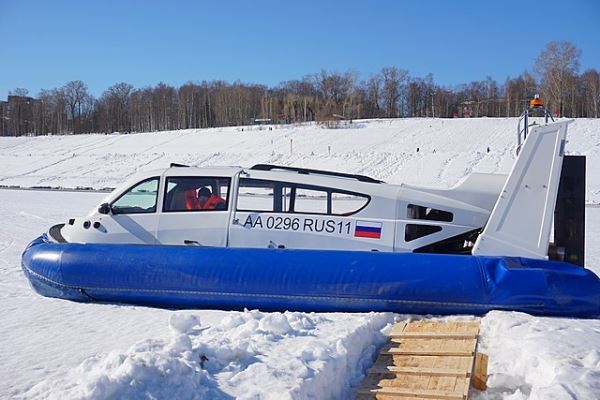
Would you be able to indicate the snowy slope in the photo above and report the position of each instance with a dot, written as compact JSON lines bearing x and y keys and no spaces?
{"x":57,"y":349}
{"x":386,"y":149}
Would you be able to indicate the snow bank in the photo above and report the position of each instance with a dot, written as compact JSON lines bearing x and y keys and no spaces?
{"x":246,"y":355}
{"x":540,"y":358}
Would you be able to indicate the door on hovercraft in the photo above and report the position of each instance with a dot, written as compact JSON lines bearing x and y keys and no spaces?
{"x":132,"y":217}
{"x":194,"y":211}
{"x":300,"y":216}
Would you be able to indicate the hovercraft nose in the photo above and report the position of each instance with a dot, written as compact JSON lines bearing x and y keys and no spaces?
{"x":41,"y":264}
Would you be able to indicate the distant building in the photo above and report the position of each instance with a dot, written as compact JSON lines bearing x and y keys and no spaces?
{"x":468,"y":109}
{"x":3,"y":118}
{"x":480,"y":108}
{"x":17,"y":115}
{"x":333,"y":121}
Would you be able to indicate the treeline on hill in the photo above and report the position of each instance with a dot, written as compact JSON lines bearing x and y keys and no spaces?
{"x":390,"y":93}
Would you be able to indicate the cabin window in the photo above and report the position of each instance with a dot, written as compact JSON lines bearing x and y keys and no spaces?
{"x":414,"y":231}
{"x":310,"y":201}
{"x":190,"y":194}
{"x":347,"y":203}
{"x":140,"y":199}
{"x":262,"y":195}
{"x":287,"y":197}
{"x":414,"y":211}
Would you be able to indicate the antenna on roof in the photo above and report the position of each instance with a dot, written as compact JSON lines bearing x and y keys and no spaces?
{"x":177,"y":165}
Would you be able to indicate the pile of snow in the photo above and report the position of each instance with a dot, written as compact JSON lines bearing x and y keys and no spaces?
{"x":422,"y":151}
{"x":246,"y":355}
{"x":540,"y":358}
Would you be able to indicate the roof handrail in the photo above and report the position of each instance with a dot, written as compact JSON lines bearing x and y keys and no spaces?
{"x":307,"y":171}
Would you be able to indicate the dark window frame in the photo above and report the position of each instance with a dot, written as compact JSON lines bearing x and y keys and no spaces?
{"x":293,"y":186}
{"x":166,"y":193}
{"x":442,"y":213}
{"x":413,"y":231}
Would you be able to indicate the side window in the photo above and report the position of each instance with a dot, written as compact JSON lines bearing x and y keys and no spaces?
{"x":310,"y":201}
{"x":414,"y":231}
{"x":192,"y":193}
{"x":140,"y":199}
{"x":347,"y":203}
{"x":262,"y":195}
{"x":414,"y":211}
{"x":273,"y":196}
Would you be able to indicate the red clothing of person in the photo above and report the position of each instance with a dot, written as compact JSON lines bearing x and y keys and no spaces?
{"x":211,"y":203}
{"x":191,"y":200}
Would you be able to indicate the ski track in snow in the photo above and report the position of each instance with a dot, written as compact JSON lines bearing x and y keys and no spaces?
{"x":54,"y":349}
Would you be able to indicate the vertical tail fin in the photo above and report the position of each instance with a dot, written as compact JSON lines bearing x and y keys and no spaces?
{"x":520,"y":222}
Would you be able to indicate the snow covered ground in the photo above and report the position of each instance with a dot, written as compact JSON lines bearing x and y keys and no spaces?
{"x":386,"y":149}
{"x":63,"y":350}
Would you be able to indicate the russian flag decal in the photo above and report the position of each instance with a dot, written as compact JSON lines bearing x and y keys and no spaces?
{"x":367,"y":229}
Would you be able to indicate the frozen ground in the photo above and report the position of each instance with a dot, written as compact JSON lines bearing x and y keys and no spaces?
{"x":62,"y":350}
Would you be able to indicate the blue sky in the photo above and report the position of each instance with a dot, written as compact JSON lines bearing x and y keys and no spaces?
{"x":47,"y":43}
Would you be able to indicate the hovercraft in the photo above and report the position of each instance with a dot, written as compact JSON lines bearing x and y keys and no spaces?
{"x":284,"y":238}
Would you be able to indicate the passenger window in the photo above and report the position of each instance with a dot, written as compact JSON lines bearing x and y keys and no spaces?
{"x":414,"y":231}
{"x":192,"y":193}
{"x":262,"y":195}
{"x":140,"y":199}
{"x":427,"y":213}
{"x":273,"y":196}
{"x":346,"y":203}
{"x":310,"y":201}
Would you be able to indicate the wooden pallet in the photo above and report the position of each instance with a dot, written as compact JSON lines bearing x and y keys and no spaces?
{"x":427,"y":360}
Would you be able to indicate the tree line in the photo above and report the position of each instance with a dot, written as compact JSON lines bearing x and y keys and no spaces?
{"x":390,"y":93}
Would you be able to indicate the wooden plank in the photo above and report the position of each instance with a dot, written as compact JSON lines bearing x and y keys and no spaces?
{"x":417,"y":382}
{"x":433,"y":335}
{"x":445,"y":362}
{"x":381,"y":396}
{"x":428,"y":394}
{"x":427,"y":353}
{"x":480,"y":374}
{"x":418,"y":371}
{"x":433,"y":326}
{"x":463,"y":328}
{"x":433,"y":346}
{"x":447,"y":384}
{"x":468,"y":380}
{"x":433,"y":342}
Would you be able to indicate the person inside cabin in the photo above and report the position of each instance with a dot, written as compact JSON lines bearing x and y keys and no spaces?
{"x":209,"y":201}
{"x":191,"y":200}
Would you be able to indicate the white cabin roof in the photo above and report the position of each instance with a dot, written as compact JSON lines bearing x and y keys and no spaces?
{"x":202,"y":171}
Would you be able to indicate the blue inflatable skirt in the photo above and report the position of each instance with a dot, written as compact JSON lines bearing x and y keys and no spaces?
{"x":308,"y":280}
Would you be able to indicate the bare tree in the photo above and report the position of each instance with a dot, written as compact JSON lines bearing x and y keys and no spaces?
{"x":591,"y":87}
{"x":115,"y":105}
{"x":393,"y":80}
{"x":556,"y":65}
{"x":22,"y":92}
{"x":75,"y":93}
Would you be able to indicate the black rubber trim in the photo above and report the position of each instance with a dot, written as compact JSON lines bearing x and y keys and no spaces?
{"x":56,"y":235}
{"x":307,"y":171}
